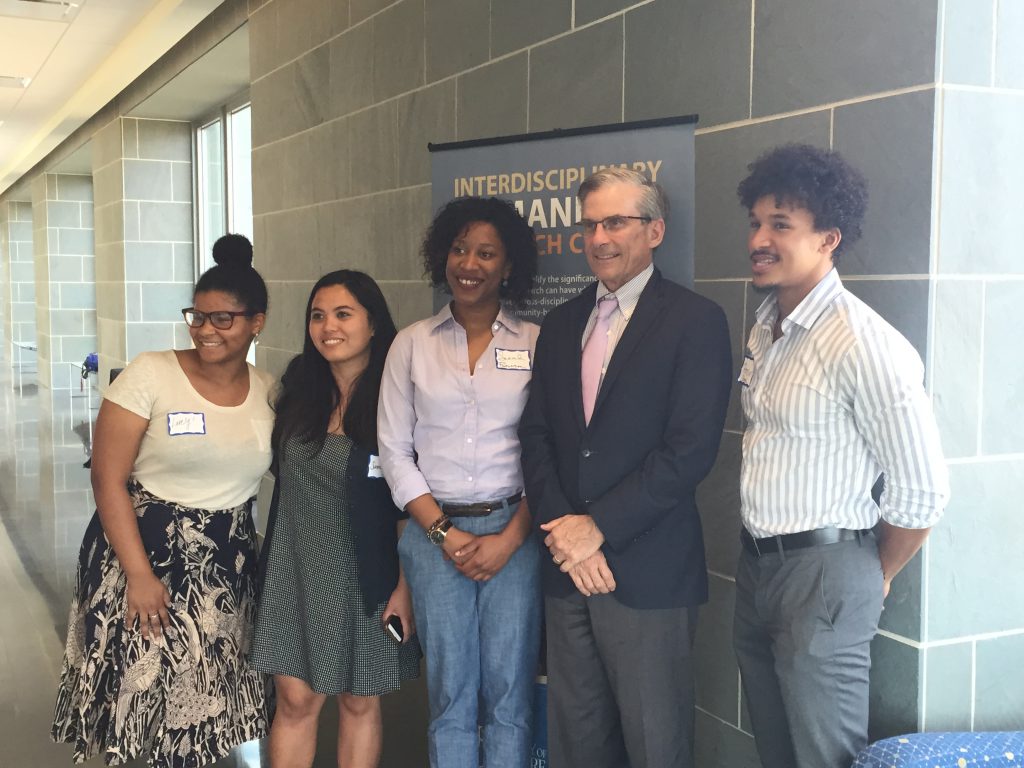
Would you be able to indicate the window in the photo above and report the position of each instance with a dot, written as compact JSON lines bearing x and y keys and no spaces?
{"x":223,"y":151}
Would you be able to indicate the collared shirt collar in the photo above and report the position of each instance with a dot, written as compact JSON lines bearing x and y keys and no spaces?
{"x":505,"y":318}
{"x":629,"y":294}
{"x":807,"y":311}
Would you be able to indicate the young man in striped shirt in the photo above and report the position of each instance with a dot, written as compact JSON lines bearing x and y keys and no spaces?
{"x":833,"y":397}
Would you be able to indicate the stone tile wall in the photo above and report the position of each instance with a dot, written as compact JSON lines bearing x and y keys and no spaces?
{"x":346,"y":96}
{"x":145,"y":262}
{"x":65,"y":275}
{"x":19,"y":286}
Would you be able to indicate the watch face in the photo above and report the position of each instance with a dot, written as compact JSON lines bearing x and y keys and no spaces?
{"x":436,"y":537}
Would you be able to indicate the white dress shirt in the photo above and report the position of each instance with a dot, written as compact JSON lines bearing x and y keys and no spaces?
{"x":835,"y":401}
{"x":444,"y":432}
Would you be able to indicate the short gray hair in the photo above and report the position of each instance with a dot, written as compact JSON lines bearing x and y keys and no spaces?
{"x":653,"y":201}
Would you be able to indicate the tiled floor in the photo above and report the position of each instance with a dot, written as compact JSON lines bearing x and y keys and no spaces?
{"x":45,"y":505}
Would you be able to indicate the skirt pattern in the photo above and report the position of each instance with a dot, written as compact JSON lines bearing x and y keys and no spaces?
{"x":187,"y":698}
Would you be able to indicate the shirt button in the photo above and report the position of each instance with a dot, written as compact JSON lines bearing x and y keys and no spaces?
{"x":469,"y":479}
{"x":495,"y":327}
{"x":469,"y":439}
{"x":585,"y":453}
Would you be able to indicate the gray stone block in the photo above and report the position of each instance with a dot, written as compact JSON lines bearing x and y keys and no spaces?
{"x":133,"y":302}
{"x":312,"y":76}
{"x":722,"y":745}
{"x":890,"y":142}
{"x":373,"y":148}
{"x":265,"y":54}
{"x":165,"y":140}
{"x":362,"y":9}
{"x":718,"y":499}
{"x":66,"y":269}
{"x":903,"y":303}
{"x":77,"y":296}
{"x":731,"y":296}
{"x":492,"y":99}
{"x":956,"y":364}
{"x":426,"y":115}
{"x":999,"y":696}
{"x":109,"y":184}
{"x":75,"y":242}
{"x":153,"y":262}
{"x":184,"y":263}
{"x":399,"y":38}
{"x":290,"y":246}
{"x":516,"y":24}
{"x":587,"y":11}
{"x":267,"y":162}
{"x":675,"y":48}
{"x":350,"y":59}
{"x":716,"y":676}
{"x":106,"y":145}
{"x":965,"y":596}
{"x":162,"y":222}
{"x":577,"y":80}
{"x":457,"y":35}
{"x":74,"y":187}
{"x":147,"y":180}
{"x":148,"y":337}
{"x":967,"y":42}
{"x":948,"y":689}
{"x":181,"y":182}
{"x":63,"y":214}
{"x":295,"y":174}
{"x":1009,"y":54}
{"x":331,"y":162}
{"x":408,"y":301}
{"x":815,"y":53}
{"x":895,"y":687}
{"x":1002,"y":409}
{"x":721,"y":163}
{"x":163,"y":302}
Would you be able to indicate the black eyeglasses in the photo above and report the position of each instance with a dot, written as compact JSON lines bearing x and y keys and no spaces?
{"x":609,"y":223}
{"x":222,"y":319}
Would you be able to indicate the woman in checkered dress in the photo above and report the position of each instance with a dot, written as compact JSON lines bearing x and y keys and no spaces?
{"x":330,"y":566}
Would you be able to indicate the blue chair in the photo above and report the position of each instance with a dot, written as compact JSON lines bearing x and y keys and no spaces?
{"x":945,"y":750}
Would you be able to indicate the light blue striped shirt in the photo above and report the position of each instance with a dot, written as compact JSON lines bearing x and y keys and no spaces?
{"x":837,"y":400}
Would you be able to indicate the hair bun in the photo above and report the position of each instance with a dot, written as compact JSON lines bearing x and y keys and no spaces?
{"x":233,"y":252}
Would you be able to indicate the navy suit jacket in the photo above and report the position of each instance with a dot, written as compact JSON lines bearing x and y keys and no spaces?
{"x":653,"y":437}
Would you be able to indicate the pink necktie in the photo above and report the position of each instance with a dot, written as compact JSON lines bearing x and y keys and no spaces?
{"x":594,"y":352}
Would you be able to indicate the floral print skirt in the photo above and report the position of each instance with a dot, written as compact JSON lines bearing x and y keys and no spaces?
{"x":187,"y":698}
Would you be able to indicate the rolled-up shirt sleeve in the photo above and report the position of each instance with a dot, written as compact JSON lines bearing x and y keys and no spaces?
{"x":396,"y":425}
{"x":895,"y":417}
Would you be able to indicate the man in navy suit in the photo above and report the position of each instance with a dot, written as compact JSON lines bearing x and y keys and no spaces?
{"x":630,"y":386}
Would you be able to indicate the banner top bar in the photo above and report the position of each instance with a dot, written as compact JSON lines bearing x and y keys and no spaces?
{"x":562,"y":133}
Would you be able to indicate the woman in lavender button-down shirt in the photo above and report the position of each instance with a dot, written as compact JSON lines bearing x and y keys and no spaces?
{"x":454,"y":388}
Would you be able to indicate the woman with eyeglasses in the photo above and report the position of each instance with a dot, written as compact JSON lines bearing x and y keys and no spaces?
{"x":155,"y":665}
{"x":331,"y":579}
{"x":454,"y":388}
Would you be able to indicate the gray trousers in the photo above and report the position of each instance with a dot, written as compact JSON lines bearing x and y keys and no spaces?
{"x":620,"y":684}
{"x":802,"y":633}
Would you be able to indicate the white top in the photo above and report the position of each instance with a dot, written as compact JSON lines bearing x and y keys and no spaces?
{"x":195,"y":453}
{"x":838,"y":399}
{"x":444,"y":432}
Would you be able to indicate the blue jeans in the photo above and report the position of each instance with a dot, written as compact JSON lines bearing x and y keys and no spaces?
{"x":481,"y":642}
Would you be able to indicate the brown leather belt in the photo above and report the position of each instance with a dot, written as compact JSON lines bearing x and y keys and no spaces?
{"x":771,"y":545}
{"x":480,"y":508}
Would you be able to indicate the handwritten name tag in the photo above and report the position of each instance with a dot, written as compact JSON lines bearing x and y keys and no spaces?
{"x":747,"y":371}
{"x":374,"y":470}
{"x":512,"y":360}
{"x":185,"y":423}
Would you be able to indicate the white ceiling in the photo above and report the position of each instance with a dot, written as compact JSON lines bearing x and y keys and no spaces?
{"x":79,"y":54}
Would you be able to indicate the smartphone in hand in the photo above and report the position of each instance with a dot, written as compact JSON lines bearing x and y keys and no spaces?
{"x":393,"y":626}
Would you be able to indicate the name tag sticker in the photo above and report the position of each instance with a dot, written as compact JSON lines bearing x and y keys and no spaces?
{"x":513,"y":360}
{"x":185,"y":423}
{"x":374,"y":470}
{"x":747,"y":371}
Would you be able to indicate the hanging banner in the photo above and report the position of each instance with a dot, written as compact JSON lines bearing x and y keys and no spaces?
{"x":541,"y":173}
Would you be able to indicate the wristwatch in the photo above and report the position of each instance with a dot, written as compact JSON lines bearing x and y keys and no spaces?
{"x":437,"y":532}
